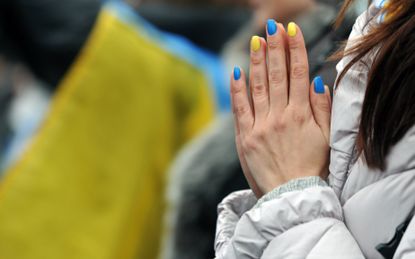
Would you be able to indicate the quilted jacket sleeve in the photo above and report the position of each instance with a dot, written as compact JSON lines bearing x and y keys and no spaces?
{"x":305,"y":222}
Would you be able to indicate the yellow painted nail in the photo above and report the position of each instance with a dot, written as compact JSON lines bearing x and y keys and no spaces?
{"x":255,"y":43}
{"x":292,"y":29}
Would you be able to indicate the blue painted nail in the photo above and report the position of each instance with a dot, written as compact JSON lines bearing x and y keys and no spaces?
{"x":319,"y":85}
{"x":236,"y":73}
{"x":271,"y":27}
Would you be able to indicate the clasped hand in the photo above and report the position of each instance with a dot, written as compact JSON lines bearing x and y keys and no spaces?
{"x":282,"y":123}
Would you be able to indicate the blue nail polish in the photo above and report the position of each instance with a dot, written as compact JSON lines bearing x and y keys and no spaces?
{"x":236,"y":73}
{"x":271,"y":27}
{"x":319,"y":85}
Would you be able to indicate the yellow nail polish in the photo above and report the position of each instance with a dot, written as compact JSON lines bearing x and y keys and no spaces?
{"x":292,"y":29}
{"x":255,"y":43}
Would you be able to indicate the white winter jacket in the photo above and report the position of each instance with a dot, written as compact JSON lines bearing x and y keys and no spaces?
{"x":362,"y":213}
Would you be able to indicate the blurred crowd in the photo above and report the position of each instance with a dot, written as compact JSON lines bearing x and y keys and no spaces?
{"x":115,"y":134}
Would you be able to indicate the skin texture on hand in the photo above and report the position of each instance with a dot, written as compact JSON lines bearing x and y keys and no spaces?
{"x":282,"y":123}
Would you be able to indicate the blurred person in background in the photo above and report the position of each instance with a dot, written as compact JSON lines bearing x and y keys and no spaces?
{"x":122,"y":98}
{"x":208,"y":23}
{"x":5,"y":96}
{"x":24,"y":102}
{"x":209,"y":169}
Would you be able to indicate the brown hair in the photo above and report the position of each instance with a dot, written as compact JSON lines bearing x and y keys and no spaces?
{"x":388,"y":110}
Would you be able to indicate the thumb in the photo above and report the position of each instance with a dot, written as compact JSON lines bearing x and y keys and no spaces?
{"x":321,"y":105}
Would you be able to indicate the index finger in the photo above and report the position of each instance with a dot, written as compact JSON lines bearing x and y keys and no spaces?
{"x":299,"y":71}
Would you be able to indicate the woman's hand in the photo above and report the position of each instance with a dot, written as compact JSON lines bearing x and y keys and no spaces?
{"x":283,"y":126}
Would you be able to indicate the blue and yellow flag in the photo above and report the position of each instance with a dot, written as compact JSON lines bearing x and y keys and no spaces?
{"x":91,"y":184}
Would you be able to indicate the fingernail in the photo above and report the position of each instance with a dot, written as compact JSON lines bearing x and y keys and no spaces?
{"x":292,"y":29}
{"x":255,"y":43}
{"x":271,"y":27}
{"x":319,"y":85}
{"x":236,"y":73}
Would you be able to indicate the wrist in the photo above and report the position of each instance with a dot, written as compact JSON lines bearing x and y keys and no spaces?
{"x":298,"y":184}
{"x":278,"y":181}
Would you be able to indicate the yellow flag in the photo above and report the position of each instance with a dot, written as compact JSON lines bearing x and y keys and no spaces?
{"x":91,"y":184}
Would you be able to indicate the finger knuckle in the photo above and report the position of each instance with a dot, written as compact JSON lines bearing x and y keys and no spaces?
{"x":257,"y":59}
{"x":299,"y":72}
{"x":279,"y":126}
{"x":237,"y":89}
{"x":274,"y":45}
{"x":295,"y":44}
{"x":249,"y":144}
{"x":299,"y":118}
{"x":324,"y":107}
{"x":259,"y":89}
{"x":240,"y":110}
{"x":276,"y":76}
{"x":260,"y":135}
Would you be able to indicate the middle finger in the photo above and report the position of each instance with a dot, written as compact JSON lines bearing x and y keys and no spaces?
{"x":277,"y":67}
